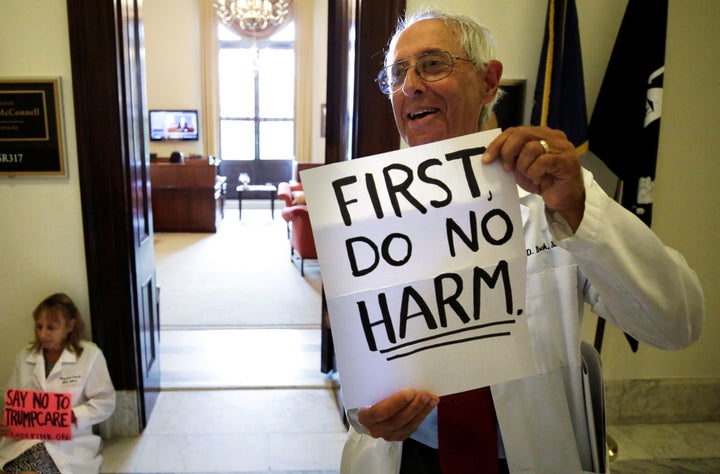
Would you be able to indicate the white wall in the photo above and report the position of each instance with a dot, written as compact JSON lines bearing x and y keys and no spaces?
{"x":319,"y":82}
{"x":172,"y":64}
{"x":41,"y":235}
{"x":687,"y":194}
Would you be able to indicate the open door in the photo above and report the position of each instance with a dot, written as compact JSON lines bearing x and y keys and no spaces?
{"x":106,"y":47}
{"x":360,"y":120}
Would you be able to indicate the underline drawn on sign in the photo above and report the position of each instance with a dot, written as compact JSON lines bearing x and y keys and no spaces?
{"x":447,"y":343}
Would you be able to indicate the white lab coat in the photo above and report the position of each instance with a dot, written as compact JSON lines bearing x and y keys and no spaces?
{"x":618,"y":266}
{"x":87,"y":379}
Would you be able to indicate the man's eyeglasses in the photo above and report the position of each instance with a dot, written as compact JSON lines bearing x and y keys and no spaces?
{"x":430,"y":67}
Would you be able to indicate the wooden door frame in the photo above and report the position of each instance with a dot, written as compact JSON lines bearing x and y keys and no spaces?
{"x":365,"y":126}
{"x":369,"y":128}
{"x":374,"y":128}
{"x":104,"y":170}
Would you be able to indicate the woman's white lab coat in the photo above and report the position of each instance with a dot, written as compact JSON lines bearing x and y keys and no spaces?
{"x":618,"y":266}
{"x":87,"y":379}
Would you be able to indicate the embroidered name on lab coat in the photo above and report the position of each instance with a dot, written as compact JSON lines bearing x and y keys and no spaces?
{"x":541,"y":248}
{"x":70,"y":379}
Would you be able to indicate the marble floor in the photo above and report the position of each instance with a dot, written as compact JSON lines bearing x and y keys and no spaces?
{"x":237,"y":401}
{"x":234,"y":431}
{"x":666,"y":448}
{"x":282,"y":417}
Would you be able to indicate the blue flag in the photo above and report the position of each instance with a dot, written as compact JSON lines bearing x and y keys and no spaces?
{"x":560,"y":89}
{"x":625,"y":124}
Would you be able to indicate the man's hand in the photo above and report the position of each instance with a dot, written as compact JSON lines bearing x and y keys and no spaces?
{"x":397,"y":417}
{"x":555,"y":173}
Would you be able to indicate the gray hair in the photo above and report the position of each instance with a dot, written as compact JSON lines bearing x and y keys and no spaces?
{"x":476,"y":41}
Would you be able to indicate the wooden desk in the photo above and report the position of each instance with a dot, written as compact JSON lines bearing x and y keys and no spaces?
{"x":187,"y":197}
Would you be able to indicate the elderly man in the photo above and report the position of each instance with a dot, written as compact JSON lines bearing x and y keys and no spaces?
{"x":442,"y":79}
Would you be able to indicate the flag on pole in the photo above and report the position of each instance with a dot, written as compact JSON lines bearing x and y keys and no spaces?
{"x":559,"y":100}
{"x":625,"y":124}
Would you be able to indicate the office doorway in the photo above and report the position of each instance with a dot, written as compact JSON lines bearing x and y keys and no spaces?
{"x":109,"y":166}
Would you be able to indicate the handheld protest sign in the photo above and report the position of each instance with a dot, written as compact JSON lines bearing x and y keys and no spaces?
{"x":424,"y":264}
{"x":38,"y":415}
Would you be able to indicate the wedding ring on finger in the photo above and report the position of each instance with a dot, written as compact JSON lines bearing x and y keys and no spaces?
{"x":545,"y":146}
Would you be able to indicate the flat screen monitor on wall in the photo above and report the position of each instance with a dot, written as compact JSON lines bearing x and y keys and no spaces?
{"x":173,"y":125}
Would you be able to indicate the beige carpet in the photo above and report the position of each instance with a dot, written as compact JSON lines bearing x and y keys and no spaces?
{"x":240,"y":277}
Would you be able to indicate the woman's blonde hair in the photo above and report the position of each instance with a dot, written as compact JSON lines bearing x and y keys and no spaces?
{"x":56,"y":306}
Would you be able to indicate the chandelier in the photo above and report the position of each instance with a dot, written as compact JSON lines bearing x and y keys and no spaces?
{"x":252,"y":16}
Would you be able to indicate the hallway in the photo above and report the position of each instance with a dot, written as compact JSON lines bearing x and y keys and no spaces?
{"x":281,"y":416}
{"x":241,"y":384}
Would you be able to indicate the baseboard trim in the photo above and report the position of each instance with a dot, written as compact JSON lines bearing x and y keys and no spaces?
{"x":673,"y":400}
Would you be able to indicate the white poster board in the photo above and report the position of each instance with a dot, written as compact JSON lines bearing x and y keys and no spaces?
{"x":423,"y":263}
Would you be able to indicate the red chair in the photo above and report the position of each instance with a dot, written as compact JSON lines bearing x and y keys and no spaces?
{"x":301,"y":237}
{"x":289,"y":192}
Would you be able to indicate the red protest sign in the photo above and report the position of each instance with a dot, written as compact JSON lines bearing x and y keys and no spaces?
{"x":38,"y":415}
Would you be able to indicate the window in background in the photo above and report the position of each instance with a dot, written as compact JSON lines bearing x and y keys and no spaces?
{"x":257,"y":96}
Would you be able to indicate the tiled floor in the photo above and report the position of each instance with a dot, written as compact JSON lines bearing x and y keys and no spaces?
{"x":299,"y":431}
{"x":227,"y":431}
{"x":667,"y":448}
{"x":261,"y":405}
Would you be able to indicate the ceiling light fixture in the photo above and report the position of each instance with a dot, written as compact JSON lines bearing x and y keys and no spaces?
{"x":252,"y":16}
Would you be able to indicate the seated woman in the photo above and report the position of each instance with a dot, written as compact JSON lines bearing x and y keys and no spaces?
{"x":61,"y":360}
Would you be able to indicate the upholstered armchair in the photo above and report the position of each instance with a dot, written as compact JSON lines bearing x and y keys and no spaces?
{"x":287,"y":192}
{"x":301,"y":237}
{"x":292,"y":194}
